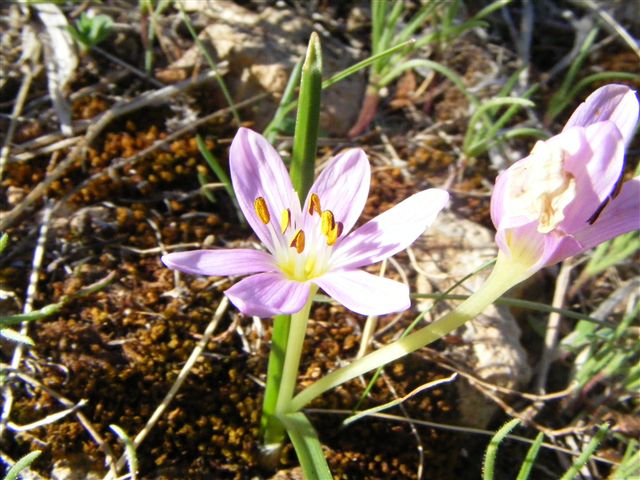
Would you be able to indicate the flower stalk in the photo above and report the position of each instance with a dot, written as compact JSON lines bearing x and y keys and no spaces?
{"x":297,"y":330}
{"x":507,"y":273}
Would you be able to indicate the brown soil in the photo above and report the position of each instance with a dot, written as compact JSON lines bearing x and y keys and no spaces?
{"x":121,"y":348}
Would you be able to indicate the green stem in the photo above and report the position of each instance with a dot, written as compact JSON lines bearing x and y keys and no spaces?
{"x":505,"y":275}
{"x":272,"y":429}
{"x":293,"y":353}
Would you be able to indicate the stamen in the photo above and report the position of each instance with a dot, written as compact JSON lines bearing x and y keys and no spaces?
{"x":314,"y":204}
{"x":285,"y":220}
{"x":334,"y":233}
{"x":298,"y":241}
{"x":328,"y":223}
{"x":261,"y":209}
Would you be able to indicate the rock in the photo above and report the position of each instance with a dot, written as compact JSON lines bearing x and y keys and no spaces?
{"x":261,"y":50}
{"x":451,"y":249}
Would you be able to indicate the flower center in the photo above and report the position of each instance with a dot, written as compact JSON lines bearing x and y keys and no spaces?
{"x":541,"y":186}
{"x":302,"y":246}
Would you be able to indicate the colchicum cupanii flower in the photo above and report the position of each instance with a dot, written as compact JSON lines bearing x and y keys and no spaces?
{"x":312,"y":244}
{"x":568,"y":196}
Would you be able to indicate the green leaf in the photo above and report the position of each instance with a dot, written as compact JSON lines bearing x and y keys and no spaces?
{"x":492,"y":449}
{"x":210,"y":61}
{"x":305,"y":139}
{"x":31,"y":316}
{"x":4,"y":241}
{"x":307,"y":446}
{"x":277,"y":123}
{"x":527,"y":464}
{"x":129,"y":450}
{"x":20,"y":465}
{"x":15,"y":337}
{"x":574,"y":470}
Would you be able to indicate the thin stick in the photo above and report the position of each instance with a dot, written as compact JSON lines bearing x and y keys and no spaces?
{"x":131,"y":68}
{"x":17,"y":110}
{"x":553,"y":326}
{"x":32,"y":288}
{"x":455,"y":428}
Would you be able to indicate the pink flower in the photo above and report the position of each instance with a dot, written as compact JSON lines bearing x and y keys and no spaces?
{"x":311,"y":245}
{"x":566,"y":196}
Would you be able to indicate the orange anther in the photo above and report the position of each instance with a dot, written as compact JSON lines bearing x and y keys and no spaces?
{"x":298,"y":241}
{"x":314,"y":204}
{"x":261,"y":209}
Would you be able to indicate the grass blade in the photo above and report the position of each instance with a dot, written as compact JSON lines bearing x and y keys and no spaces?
{"x":20,"y":465}
{"x":574,"y":470}
{"x":492,"y":449}
{"x":307,"y":445}
{"x":129,"y":450}
{"x":527,"y":464}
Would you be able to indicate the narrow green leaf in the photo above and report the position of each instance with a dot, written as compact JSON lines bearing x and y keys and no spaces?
{"x":527,"y":464}
{"x":215,"y":166}
{"x":305,"y":139}
{"x":15,"y":337}
{"x":287,"y":97}
{"x":55,"y":307}
{"x":4,"y":241}
{"x":365,"y":63}
{"x":31,"y":316}
{"x":20,"y":465}
{"x":129,"y":450}
{"x":307,"y":446}
{"x":341,"y":75}
{"x":492,"y":449}
{"x":574,"y":470}
{"x":211,"y":62}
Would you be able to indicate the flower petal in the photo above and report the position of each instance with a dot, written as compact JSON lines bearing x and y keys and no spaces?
{"x":622,"y":215}
{"x":524,"y":244}
{"x":343,"y":187}
{"x":220,"y":262}
{"x":596,"y":170}
{"x":499,"y":200}
{"x":391,"y":231}
{"x":268,"y":294}
{"x":364,"y":293}
{"x":258,"y":171}
{"x":617,"y":103}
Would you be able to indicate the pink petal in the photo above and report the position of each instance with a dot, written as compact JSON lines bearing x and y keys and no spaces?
{"x":343,"y":187}
{"x":258,"y":171}
{"x":268,"y":294}
{"x":391,"y":231}
{"x":596,"y":170}
{"x":220,"y":262}
{"x":617,"y":103}
{"x":503,"y":215}
{"x":364,"y":293}
{"x":622,"y":215}
{"x":539,"y":250}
